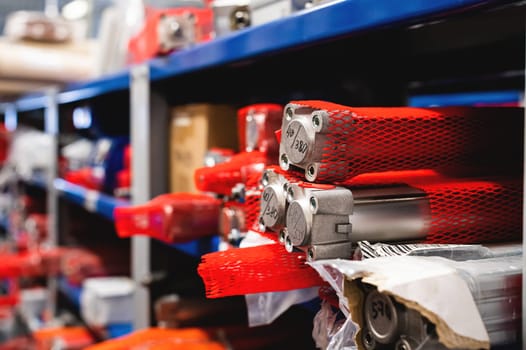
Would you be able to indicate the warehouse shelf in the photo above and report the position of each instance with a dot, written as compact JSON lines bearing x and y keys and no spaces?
{"x":468,"y":99}
{"x":37,"y":180}
{"x":73,"y":294}
{"x":200,"y":246}
{"x":104,"y":205}
{"x":354,"y":52}
{"x":91,"y":200}
{"x":103,"y":85}
{"x":32,"y":102}
{"x":331,"y":21}
{"x":70,"y":291}
{"x":4,"y":223}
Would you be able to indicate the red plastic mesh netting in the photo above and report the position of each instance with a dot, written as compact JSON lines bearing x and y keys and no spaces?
{"x":462,"y":211}
{"x":465,"y":212}
{"x":266,"y":268}
{"x":253,"y":190}
{"x":456,"y":140}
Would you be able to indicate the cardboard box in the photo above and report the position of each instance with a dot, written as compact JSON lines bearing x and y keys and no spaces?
{"x":196,"y":128}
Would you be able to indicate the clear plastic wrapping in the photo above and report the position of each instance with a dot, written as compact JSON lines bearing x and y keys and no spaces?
{"x":471,"y":303}
{"x":263,"y":308}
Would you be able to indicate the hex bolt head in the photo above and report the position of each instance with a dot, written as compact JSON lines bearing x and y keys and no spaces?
{"x":289,"y":113}
{"x":402,"y":344}
{"x":313,"y":203}
{"x":288,"y":245}
{"x":284,"y":161}
{"x":282,"y":235}
{"x":264,"y":179}
{"x":310,"y":254}
{"x":290,"y":194}
{"x":316,"y":121}
{"x":368,"y":339}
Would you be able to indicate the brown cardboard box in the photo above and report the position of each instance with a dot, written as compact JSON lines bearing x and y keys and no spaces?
{"x":196,"y":128}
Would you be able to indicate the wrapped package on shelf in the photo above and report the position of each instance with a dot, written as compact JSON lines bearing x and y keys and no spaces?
{"x":77,"y":154}
{"x":160,"y":339}
{"x":413,"y":301}
{"x":32,"y":263}
{"x":7,"y":323}
{"x":223,"y":177}
{"x":124,"y":176}
{"x":106,"y":160}
{"x":175,"y":311}
{"x":333,"y":143}
{"x":325,"y":220}
{"x":37,"y":26}
{"x":107,"y":300}
{"x":28,"y":154}
{"x":32,"y":305}
{"x":257,"y":125}
{"x":250,"y":270}
{"x":66,"y":338}
{"x":12,"y":87}
{"x":171,"y":218}
{"x":233,"y":15}
{"x":60,"y":63}
{"x":237,"y":180}
{"x":78,"y":264}
{"x":195,"y":129}
{"x":170,"y":29}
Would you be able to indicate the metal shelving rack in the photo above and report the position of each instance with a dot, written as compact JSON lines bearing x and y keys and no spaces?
{"x":302,"y":34}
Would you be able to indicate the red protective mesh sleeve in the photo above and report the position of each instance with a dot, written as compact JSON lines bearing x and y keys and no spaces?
{"x":266,"y":268}
{"x":455,"y":140}
{"x":222,"y":177}
{"x":464,"y":212}
{"x":253,"y":189}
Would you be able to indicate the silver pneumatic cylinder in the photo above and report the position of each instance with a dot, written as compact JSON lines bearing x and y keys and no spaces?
{"x":326,"y":221}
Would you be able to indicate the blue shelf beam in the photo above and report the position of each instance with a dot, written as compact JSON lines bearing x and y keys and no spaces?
{"x":72,"y":292}
{"x":199,"y":247}
{"x":91,"y":200}
{"x":82,"y":91}
{"x":467,"y":99}
{"x":31,"y":102}
{"x":305,"y":27}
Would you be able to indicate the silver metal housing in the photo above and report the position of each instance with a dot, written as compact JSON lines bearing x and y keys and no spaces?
{"x":273,"y":200}
{"x":176,"y":32}
{"x":326,"y":222}
{"x":303,"y":135}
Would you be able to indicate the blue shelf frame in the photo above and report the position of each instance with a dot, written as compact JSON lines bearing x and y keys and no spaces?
{"x":92,"y":201}
{"x":467,"y":99}
{"x":302,"y":28}
{"x":104,"y":205}
{"x":107,"y":84}
{"x":198,"y":247}
{"x":73,"y":293}
{"x":306,"y":27}
{"x":32,"y":102}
